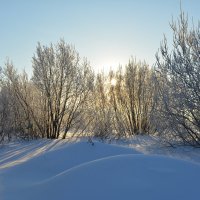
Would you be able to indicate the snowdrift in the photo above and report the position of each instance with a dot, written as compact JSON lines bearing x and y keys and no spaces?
{"x":124,"y":177}
{"x":103,"y":171}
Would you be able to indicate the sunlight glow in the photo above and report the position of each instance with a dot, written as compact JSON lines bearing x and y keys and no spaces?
{"x":113,"y":82}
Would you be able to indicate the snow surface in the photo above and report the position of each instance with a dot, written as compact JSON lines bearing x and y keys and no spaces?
{"x":46,"y":169}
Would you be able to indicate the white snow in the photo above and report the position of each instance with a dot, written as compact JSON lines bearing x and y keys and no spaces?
{"x":46,"y":169}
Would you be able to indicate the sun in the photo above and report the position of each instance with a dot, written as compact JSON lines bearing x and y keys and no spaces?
{"x":113,"y":82}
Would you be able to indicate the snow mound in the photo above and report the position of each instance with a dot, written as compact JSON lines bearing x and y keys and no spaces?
{"x":100,"y":171}
{"x":68,"y":156}
{"x":123,"y":177}
{"x":52,"y":162}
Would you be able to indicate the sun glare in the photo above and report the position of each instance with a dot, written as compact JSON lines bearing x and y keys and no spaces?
{"x":113,"y":82}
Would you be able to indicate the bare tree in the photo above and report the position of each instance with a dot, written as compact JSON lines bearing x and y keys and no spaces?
{"x":132,"y":98}
{"x":21,"y":103}
{"x":125,"y":101}
{"x":64,"y":84}
{"x":4,"y":113}
{"x":178,"y":71}
{"x":102,"y":112}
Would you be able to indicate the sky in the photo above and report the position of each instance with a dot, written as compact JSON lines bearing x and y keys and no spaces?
{"x":107,"y":32}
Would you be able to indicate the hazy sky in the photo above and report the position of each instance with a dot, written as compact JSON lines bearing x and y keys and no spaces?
{"x":107,"y":32}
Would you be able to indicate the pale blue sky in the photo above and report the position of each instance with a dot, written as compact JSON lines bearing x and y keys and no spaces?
{"x":107,"y":32}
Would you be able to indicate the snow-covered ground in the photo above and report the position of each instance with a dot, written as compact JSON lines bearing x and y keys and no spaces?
{"x":139,"y":169}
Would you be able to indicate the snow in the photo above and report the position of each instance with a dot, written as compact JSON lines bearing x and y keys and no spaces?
{"x":56,"y":169}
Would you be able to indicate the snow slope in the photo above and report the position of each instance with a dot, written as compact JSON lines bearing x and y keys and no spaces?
{"x":58,"y":170}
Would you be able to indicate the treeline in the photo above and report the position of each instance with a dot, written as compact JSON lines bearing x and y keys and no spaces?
{"x":64,"y":96}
